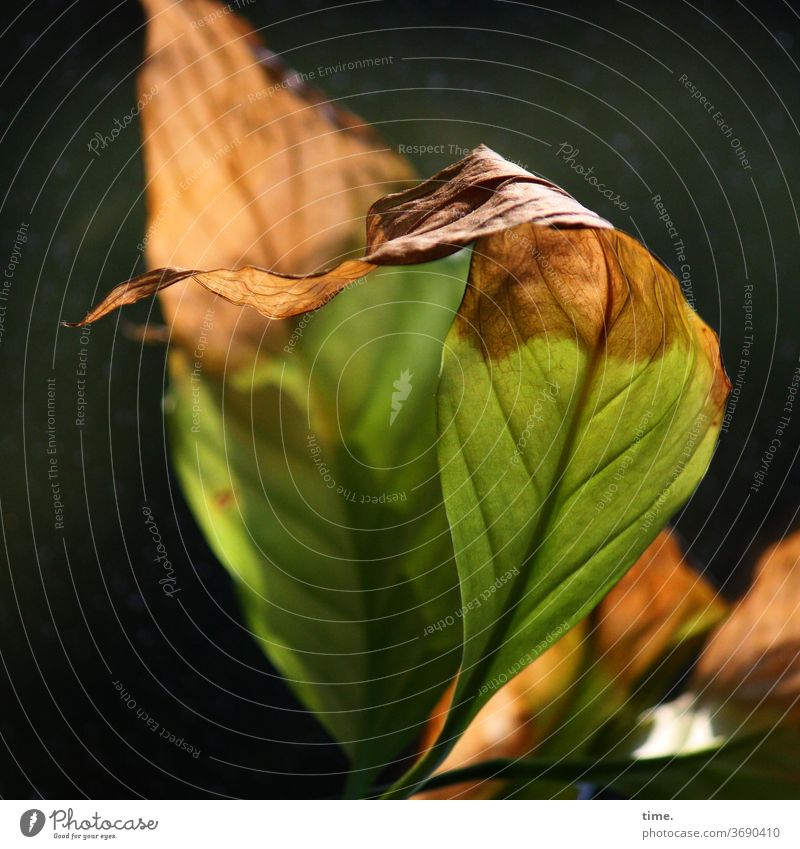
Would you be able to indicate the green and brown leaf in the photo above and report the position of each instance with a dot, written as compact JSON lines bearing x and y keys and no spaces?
{"x":558,"y":421}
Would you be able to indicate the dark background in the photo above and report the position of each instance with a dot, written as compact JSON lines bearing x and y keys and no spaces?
{"x":81,"y":608}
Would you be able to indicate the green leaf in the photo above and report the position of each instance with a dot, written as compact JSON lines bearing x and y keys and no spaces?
{"x":708,"y":756}
{"x":579,"y":406}
{"x":315,"y":480}
{"x":643,"y":778}
{"x":670,"y":752}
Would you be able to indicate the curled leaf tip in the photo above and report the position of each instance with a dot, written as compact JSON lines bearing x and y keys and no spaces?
{"x":481,"y":195}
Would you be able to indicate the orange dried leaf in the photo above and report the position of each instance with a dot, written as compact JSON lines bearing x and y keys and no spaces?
{"x":752,"y":661}
{"x":658,"y":604}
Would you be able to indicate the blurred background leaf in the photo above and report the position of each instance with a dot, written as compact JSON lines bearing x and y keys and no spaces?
{"x":731,"y":733}
{"x":329,"y":514}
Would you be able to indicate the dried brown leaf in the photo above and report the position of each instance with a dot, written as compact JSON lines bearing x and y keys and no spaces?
{"x":245,"y":165}
{"x":752,"y":661}
{"x":657,"y":605}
